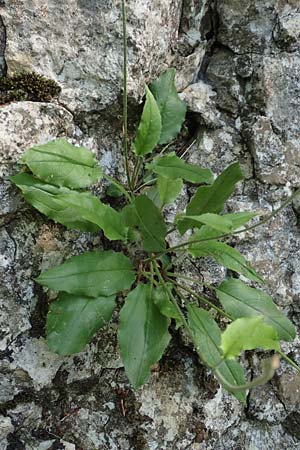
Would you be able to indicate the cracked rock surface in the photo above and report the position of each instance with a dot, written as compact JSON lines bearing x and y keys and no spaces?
{"x":238,"y":67}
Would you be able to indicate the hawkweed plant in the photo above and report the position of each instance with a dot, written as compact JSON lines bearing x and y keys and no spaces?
{"x":54,"y":182}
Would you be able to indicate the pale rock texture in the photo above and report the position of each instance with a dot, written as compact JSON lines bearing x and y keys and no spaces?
{"x":238,"y":67}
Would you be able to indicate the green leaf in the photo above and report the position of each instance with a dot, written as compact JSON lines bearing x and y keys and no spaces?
{"x":168,"y":189}
{"x":171,"y":107}
{"x":76,"y":210}
{"x":211,"y":199}
{"x":151,"y":224}
{"x":172,"y":167}
{"x":162,"y":300}
{"x":91,"y":274}
{"x":154,"y":196}
{"x":73,"y":320}
{"x":45,"y":198}
{"x":143,"y":334}
{"x":248,"y":334}
{"x":240,"y":218}
{"x":92,"y":209}
{"x":240,"y":300}
{"x":226,"y":223}
{"x":149,"y":130}
{"x":63,"y":164}
{"x":225,"y":255}
{"x":207,"y":337}
{"x":113,"y":191}
{"x":220,"y":223}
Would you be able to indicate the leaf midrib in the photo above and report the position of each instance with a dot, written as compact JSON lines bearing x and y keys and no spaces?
{"x":68,"y":159}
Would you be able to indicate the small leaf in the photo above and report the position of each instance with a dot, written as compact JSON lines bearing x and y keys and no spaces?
{"x":240,"y":300}
{"x":73,"y":320}
{"x":143,"y":334}
{"x":149,"y":130}
{"x":211,"y":199}
{"x":76,"y":210}
{"x":91,"y":274}
{"x":240,"y":218}
{"x":248,"y":334}
{"x":207,"y":337}
{"x":172,"y":108}
{"x":63,"y":164}
{"x":151,"y":224}
{"x":220,"y":223}
{"x":172,"y":167}
{"x":113,"y":191}
{"x":225,"y":255}
{"x":168,"y":189}
{"x":162,"y":300}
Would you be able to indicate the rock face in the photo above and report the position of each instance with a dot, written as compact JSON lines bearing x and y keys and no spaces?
{"x":238,"y":69}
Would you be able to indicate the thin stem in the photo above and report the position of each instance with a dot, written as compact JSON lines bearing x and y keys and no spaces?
{"x":118,"y":185}
{"x":136,"y":172}
{"x":201,"y":299}
{"x":173,"y":299}
{"x":183,"y":277}
{"x":145,"y":185}
{"x":171,"y":230}
{"x":268,"y":366}
{"x":288,"y":360}
{"x":151,"y":278}
{"x":252,"y":227}
{"x":125,"y":101}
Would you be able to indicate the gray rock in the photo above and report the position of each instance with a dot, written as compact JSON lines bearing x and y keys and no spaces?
{"x":244,"y":106}
{"x":200,"y":99}
{"x":85,"y":57}
{"x":25,"y":124}
{"x":286,"y":32}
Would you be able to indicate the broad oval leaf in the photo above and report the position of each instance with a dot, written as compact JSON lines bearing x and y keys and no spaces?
{"x":240,"y":300}
{"x":151,"y":224}
{"x":143,"y":334}
{"x":63,"y":164}
{"x":168,"y":189}
{"x":224,"y":255}
{"x":91,"y":274}
{"x":248,"y":334}
{"x":171,"y":107}
{"x":211,"y":199}
{"x":207,"y":338}
{"x":73,"y":320}
{"x":149,"y":130}
{"x":76,"y":210}
{"x":172,"y":167}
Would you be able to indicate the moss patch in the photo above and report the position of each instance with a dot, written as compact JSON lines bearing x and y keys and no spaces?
{"x":28,"y":86}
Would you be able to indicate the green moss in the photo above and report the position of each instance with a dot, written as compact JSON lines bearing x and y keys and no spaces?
{"x":28,"y":86}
